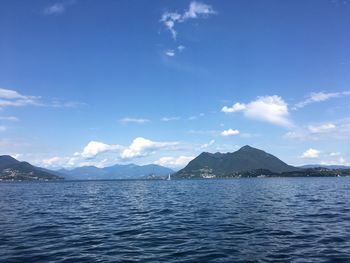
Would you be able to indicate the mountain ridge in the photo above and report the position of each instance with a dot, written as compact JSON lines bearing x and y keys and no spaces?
{"x":246,"y":159}
{"x":14,"y":170}
{"x":117,"y":171}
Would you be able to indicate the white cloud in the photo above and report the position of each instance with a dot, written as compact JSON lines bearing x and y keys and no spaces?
{"x":235,"y":108}
{"x":17,"y":155}
{"x":334,"y":154}
{"x":319,"y":97}
{"x":311,"y":153}
{"x":169,"y":20}
{"x":58,"y":8}
{"x":2,"y":128}
{"x":143,"y":147}
{"x":198,"y":9}
{"x":195,"y":10}
{"x":170,"y":53}
{"x":134,"y":120}
{"x":230,"y":132}
{"x":9,"y":118}
{"x":70,"y":162}
{"x":339,"y":161}
{"x":335,"y":130}
{"x":272,"y":109}
{"x":176,"y":162}
{"x":13,"y":98}
{"x":10,"y":94}
{"x":181,"y":48}
{"x":101,"y":154}
{"x":322,"y":128}
{"x":166,"y":119}
{"x":54,"y":9}
{"x":94,"y":148}
{"x":207,"y":145}
{"x":53,"y":162}
{"x":295,"y":135}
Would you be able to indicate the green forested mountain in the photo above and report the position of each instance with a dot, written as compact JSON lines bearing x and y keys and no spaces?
{"x":14,"y":170}
{"x":247,"y":160}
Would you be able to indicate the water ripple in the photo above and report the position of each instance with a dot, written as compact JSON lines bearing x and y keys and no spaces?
{"x":239,"y":220}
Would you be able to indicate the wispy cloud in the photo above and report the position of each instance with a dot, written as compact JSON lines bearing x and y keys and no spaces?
{"x":2,"y":128}
{"x":8,"y":118}
{"x":272,"y":109}
{"x":315,"y":97}
{"x":54,"y":9}
{"x":127,"y":120}
{"x":12,"y":98}
{"x":207,"y":145}
{"x":324,"y":158}
{"x":322,"y":128}
{"x":335,"y":130}
{"x":194,"y":11}
{"x":195,"y":117}
{"x":65,"y":104}
{"x":181,"y":48}
{"x":204,"y":132}
{"x":167,"y":119}
{"x":57,"y":8}
{"x":173,"y":52}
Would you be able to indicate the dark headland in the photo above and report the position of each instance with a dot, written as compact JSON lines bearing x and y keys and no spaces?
{"x":248,"y":162}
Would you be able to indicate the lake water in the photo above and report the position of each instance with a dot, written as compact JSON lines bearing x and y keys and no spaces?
{"x":238,"y":220}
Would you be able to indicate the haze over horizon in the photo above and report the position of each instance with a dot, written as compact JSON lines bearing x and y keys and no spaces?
{"x":100,"y":83}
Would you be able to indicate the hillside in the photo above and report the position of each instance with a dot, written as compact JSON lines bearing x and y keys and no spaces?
{"x":247,"y":160}
{"x":14,"y":170}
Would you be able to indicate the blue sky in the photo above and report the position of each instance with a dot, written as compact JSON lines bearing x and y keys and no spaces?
{"x":105,"y":82}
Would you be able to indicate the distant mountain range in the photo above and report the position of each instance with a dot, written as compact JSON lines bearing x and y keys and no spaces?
{"x":14,"y":170}
{"x":247,"y":162}
{"x":332,"y":167}
{"x":128,"y":171}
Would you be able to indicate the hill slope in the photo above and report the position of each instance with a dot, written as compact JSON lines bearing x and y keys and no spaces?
{"x":246,"y":159}
{"x":14,"y":170}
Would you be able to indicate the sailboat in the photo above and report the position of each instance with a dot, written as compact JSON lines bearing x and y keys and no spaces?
{"x":169,"y":178}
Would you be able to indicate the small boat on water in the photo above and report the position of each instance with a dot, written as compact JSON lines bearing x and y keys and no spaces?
{"x":169,"y":178}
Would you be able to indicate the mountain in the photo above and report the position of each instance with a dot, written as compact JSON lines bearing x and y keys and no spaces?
{"x":247,"y":161}
{"x":84,"y":172}
{"x":128,"y":171}
{"x":14,"y":170}
{"x":332,"y":167}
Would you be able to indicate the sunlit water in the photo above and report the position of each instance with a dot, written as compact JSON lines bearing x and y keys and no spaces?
{"x":238,"y":220}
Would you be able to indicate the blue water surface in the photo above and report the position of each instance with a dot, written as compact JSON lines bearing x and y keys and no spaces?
{"x":236,"y":220}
